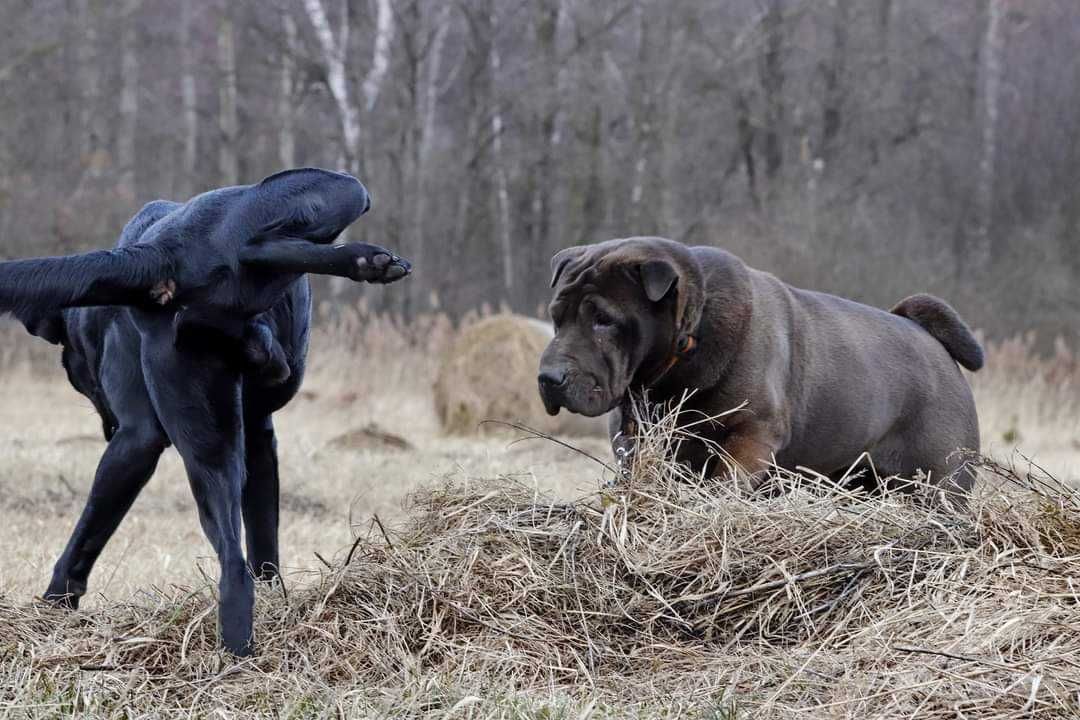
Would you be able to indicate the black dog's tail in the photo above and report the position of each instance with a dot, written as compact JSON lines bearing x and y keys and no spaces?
{"x":37,"y":287}
{"x":939,"y":319}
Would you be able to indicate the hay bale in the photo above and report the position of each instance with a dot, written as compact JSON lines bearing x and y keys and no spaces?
{"x":489,"y":373}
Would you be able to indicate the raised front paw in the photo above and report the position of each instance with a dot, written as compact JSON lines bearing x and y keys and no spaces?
{"x":374,"y":264}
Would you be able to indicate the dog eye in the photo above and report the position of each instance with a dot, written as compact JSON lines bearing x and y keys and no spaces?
{"x":602,"y":320}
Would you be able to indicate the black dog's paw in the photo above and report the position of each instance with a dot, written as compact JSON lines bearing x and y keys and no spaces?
{"x":163,"y":291}
{"x":373,"y":264}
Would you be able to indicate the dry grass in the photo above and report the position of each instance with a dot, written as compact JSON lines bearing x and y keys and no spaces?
{"x":1031,"y":401}
{"x":534,"y":594}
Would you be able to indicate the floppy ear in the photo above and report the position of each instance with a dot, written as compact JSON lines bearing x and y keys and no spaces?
{"x":657,"y":277}
{"x":561,"y":259}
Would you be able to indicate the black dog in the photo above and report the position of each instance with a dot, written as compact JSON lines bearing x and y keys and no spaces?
{"x":230,"y":265}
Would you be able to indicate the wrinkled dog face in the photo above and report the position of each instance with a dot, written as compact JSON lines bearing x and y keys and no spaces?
{"x":608,"y":327}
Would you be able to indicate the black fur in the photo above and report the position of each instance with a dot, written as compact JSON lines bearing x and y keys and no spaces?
{"x":237,"y":258}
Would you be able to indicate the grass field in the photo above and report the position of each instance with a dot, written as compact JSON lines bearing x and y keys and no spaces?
{"x":360,"y":439}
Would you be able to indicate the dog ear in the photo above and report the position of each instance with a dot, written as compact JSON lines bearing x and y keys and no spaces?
{"x":561,"y":259}
{"x":657,"y":277}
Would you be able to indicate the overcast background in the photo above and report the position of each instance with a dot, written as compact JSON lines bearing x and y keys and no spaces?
{"x":871,"y":148}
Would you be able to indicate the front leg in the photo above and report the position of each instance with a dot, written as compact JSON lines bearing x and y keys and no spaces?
{"x":750,"y":449}
{"x":357,"y":261}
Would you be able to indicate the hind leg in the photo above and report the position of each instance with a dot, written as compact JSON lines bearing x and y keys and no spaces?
{"x":124,"y":469}
{"x":260,"y":497}
{"x":197,"y":397}
{"x":929,"y":450}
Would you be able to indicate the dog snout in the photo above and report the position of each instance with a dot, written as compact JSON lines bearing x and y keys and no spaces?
{"x":552,"y":382}
{"x":552,"y":378}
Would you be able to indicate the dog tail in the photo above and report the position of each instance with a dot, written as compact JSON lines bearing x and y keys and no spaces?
{"x":939,"y":319}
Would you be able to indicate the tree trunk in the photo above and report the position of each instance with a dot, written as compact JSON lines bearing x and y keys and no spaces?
{"x":380,"y":56}
{"x":502,"y":191}
{"x":547,"y":28}
{"x":189,"y":102}
{"x":129,"y":101}
{"x":334,"y":51}
{"x":992,"y":72}
{"x":287,"y":93}
{"x":832,"y":108}
{"x":425,"y":142}
{"x":90,"y":78}
{"x":228,"y":162}
{"x":772,"y":84}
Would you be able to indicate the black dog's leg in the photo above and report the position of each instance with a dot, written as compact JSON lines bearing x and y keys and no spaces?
{"x":260,"y":499}
{"x":136,"y":276}
{"x":356,"y":261}
{"x":197,"y":398}
{"x":123,"y":471}
{"x":125,"y":467}
{"x":249,"y":344}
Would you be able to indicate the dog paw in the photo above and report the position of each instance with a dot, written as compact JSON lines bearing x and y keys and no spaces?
{"x":163,"y":292}
{"x":374,"y":264}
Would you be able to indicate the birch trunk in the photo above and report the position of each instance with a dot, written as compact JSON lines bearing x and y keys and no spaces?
{"x":502,"y":191}
{"x":335,"y":51}
{"x":380,"y":57}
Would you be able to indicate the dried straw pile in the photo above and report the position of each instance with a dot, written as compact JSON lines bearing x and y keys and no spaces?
{"x":664,"y":592}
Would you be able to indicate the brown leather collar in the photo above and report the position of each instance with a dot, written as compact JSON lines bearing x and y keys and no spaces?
{"x":684,"y":348}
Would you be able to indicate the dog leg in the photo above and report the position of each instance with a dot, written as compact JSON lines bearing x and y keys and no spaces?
{"x":197,"y":398}
{"x":356,"y":261}
{"x":123,"y":471}
{"x":751,"y":452}
{"x":136,"y":441}
{"x":260,"y":497}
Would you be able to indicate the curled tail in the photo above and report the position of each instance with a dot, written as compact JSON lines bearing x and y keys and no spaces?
{"x":939,"y":319}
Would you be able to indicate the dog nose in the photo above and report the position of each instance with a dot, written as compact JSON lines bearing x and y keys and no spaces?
{"x":552,"y":378}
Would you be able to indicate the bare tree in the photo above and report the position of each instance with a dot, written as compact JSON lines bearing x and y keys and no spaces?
{"x":992,"y":70}
{"x":228,"y":121}
{"x":129,"y":100}
{"x":287,"y":92}
{"x":189,"y":99}
{"x":335,"y":49}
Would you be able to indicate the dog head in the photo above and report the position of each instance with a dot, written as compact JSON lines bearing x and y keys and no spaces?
{"x":310,"y":204}
{"x":621,"y":308}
